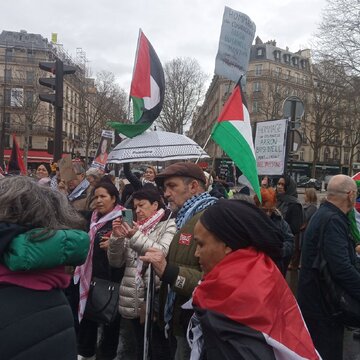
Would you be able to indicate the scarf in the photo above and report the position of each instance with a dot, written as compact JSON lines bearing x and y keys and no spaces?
{"x":84,"y":272}
{"x":78,"y":191}
{"x":146,"y":227}
{"x":46,"y":279}
{"x":192,"y":206}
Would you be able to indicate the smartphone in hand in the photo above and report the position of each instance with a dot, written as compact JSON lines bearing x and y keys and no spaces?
{"x":127,"y":216}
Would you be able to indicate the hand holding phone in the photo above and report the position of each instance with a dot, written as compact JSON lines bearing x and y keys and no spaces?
{"x":127,"y":217}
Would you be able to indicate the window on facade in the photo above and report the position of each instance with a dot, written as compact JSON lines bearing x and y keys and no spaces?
{"x":301,"y":155}
{"x":30,"y":55}
{"x":358,"y":155}
{"x":255,"y":107}
{"x":295,"y":61}
{"x":346,"y":156}
{"x":7,"y":97}
{"x":9,"y":54}
{"x":258,"y":69}
{"x":260,"y":52}
{"x":277,"y":55}
{"x":29,"y":97}
{"x":336,"y":154}
{"x":7,"y":74}
{"x":30,"y":76}
{"x":326,"y":154}
{"x":287,"y":58}
{"x":7,"y":120}
{"x":257,"y":86}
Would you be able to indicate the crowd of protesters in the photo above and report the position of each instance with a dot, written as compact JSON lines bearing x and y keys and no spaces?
{"x":220,"y":258}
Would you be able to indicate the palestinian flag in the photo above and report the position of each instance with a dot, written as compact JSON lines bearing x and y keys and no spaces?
{"x":16,"y":163}
{"x":233,"y":134}
{"x":147,"y":89}
{"x":247,"y":311}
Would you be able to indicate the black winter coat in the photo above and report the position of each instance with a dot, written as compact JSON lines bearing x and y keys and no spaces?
{"x":338,"y":250}
{"x":35,"y":325}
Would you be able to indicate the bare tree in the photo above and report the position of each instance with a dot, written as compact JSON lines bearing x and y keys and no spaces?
{"x":184,"y":91}
{"x":323,"y":126}
{"x":100,"y":101}
{"x":338,"y":37}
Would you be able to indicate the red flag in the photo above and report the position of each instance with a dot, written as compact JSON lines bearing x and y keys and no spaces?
{"x":16,"y":163}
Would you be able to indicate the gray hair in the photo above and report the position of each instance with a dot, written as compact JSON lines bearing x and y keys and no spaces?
{"x":24,"y":202}
{"x":340,"y":185}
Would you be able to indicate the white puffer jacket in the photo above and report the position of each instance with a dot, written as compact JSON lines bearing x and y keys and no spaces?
{"x":126,"y":251}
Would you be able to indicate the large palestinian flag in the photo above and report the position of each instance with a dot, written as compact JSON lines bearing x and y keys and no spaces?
{"x":247,"y":311}
{"x":147,"y":89}
{"x":233,"y":134}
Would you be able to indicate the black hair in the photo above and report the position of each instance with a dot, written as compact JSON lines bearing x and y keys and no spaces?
{"x":151,"y":194}
{"x":47,"y":167}
{"x":110,"y":188}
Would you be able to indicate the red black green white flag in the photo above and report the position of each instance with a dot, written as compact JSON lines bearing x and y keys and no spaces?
{"x":247,"y":311}
{"x":232,"y":133}
{"x":147,"y":89}
{"x":16,"y":163}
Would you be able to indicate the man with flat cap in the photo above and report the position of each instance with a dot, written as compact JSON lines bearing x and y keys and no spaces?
{"x":185,"y":191}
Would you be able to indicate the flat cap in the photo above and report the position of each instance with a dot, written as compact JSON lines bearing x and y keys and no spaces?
{"x":183,"y":169}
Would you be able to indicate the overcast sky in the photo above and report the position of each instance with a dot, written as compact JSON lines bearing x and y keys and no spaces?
{"x":107,"y":30}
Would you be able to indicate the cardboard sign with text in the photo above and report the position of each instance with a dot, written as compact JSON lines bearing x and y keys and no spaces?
{"x":67,"y":172}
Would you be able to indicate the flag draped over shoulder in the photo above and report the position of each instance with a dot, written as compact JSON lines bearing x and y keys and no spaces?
{"x":233,"y":134}
{"x":246,"y":308}
{"x":16,"y":163}
{"x":147,"y":89}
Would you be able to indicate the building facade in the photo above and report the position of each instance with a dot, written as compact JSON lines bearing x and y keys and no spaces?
{"x":22,"y":113}
{"x":273,"y":75}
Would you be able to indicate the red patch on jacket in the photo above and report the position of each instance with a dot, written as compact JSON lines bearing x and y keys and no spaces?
{"x":185,"y":239}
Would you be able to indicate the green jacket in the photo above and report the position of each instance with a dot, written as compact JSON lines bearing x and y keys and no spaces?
{"x":63,"y":247}
{"x":182,"y":273}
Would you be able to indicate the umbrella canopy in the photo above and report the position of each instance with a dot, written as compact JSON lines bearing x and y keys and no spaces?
{"x":156,"y":146}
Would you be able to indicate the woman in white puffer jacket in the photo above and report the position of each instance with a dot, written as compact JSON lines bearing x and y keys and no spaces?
{"x":154,"y":228}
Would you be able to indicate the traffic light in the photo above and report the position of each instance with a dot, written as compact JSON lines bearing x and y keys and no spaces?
{"x":55,"y":83}
{"x":57,"y":98}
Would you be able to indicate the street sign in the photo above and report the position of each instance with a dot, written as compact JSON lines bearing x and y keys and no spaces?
{"x":293,"y":108}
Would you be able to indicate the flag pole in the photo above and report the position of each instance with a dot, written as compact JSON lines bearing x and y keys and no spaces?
{"x":208,"y":139}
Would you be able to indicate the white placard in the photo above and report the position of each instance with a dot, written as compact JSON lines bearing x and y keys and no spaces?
{"x":270,"y":147}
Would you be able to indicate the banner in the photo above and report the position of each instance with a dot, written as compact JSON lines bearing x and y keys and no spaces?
{"x":270,"y":147}
{"x":237,"y":35}
{"x":102,"y":153}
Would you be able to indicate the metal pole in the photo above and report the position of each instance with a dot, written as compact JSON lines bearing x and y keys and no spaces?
{"x":2,"y":136}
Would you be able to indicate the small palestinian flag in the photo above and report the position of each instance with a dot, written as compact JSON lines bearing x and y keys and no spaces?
{"x":147,"y":89}
{"x":16,"y":164}
{"x":247,"y":311}
{"x":232,"y":133}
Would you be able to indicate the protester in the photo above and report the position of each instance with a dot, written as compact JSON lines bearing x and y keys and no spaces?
{"x":43,"y":173}
{"x":291,"y":209}
{"x":37,"y":240}
{"x":107,"y":209}
{"x":184,"y":189}
{"x":243,"y":306}
{"x":268,"y":205}
{"x":77,"y":190}
{"x":149,"y":176}
{"x":265,"y":182}
{"x":328,"y":232}
{"x":154,"y":228}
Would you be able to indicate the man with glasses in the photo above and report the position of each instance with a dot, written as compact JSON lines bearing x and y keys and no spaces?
{"x":329,"y":232}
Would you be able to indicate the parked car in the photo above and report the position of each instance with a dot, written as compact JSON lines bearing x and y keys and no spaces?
{"x":313,"y":183}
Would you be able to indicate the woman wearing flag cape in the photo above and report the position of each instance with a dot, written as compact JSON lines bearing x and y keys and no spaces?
{"x":244,"y":308}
